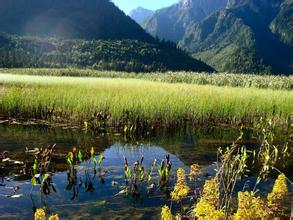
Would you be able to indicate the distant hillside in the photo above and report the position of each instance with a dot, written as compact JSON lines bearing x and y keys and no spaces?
{"x":122,"y":55}
{"x":49,"y":30}
{"x":240,"y":38}
{"x":282,"y":25}
{"x":140,"y":14}
{"x":86,"y":19}
{"x":243,"y":36}
{"x":170,"y":23}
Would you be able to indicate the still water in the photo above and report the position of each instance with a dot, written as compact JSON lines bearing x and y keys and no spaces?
{"x":98,"y":195}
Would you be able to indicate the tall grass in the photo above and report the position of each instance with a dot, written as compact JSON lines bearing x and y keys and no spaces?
{"x":217,"y":79}
{"x":136,"y":101}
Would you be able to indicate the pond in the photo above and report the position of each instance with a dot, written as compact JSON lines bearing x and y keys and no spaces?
{"x":99,"y":194}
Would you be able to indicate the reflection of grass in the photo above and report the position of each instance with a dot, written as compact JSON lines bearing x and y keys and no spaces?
{"x":79,"y":99}
{"x":219,"y":79}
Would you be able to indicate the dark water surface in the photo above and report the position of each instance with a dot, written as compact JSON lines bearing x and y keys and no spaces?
{"x":100,"y":200}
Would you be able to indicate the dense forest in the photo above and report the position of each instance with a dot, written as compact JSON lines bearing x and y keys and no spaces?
{"x":121,"y":55}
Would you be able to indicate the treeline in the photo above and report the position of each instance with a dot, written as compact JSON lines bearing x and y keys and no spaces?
{"x":118,"y":55}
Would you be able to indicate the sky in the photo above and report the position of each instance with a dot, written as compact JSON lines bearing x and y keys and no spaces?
{"x":128,"y":5}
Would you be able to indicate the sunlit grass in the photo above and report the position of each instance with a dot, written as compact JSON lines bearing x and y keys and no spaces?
{"x":218,"y":79}
{"x":79,"y":99}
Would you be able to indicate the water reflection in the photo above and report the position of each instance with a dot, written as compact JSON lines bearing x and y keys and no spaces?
{"x":87,"y":190}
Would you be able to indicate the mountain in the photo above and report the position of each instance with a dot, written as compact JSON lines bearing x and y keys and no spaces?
{"x":170,"y":23}
{"x":83,"y":33}
{"x":246,"y":36}
{"x":140,"y":14}
{"x":86,"y":19}
{"x":240,"y":36}
{"x":119,"y":55}
{"x":282,"y":25}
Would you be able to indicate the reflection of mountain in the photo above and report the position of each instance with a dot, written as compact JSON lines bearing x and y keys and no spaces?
{"x":189,"y":145}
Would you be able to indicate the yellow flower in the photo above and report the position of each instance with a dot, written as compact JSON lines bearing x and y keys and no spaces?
{"x":205,"y":211}
{"x":211,"y":192}
{"x":194,"y":170}
{"x":206,"y":208}
{"x":280,"y":190}
{"x":54,"y":217}
{"x":181,"y":189}
{"x":166,"y":213}
{"x":40,"y":214}
{"x":180,"y":175}
{"x":250,"y":207}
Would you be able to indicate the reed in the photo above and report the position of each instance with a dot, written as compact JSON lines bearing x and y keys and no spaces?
{"x":133,"y":101}
{"x":217,"y":79}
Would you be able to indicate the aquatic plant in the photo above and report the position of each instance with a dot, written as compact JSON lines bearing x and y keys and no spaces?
{"x":233,"y":166}
{"x":216,"y":198}
{"x":41,"y":175}
{"x":164,"y":170}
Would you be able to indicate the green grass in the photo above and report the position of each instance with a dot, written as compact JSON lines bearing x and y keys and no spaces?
{"x":218,"y":79}
{"x":134,"y":101}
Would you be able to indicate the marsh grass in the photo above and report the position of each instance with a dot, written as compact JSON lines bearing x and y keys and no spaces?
{"x":135,"y":102}
{"x":217,"y":79}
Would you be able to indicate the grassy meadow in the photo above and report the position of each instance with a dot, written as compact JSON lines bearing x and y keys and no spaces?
{"x":120,"y":102}
{"x":218,"y":79}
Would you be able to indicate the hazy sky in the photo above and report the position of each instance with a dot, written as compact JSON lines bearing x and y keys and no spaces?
{"x":128,"y":5}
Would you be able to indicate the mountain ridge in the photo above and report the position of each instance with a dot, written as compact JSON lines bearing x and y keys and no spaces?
{"x":78,"y":32}
{"x":140,"y":14}
{"x":237,"y":36}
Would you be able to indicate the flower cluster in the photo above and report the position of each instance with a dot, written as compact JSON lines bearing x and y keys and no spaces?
{"x":194,"y":170}
{"x":280,"y":190}
{"x":206,"y":208}
{"x":166,"y":213}
{"x":211,"y":191}
{"x":205,"y":211}
{"x":181,"y":189}
{"x":250,"y":207}
{"x":40,"y":214}
{"x":54,"y":217}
